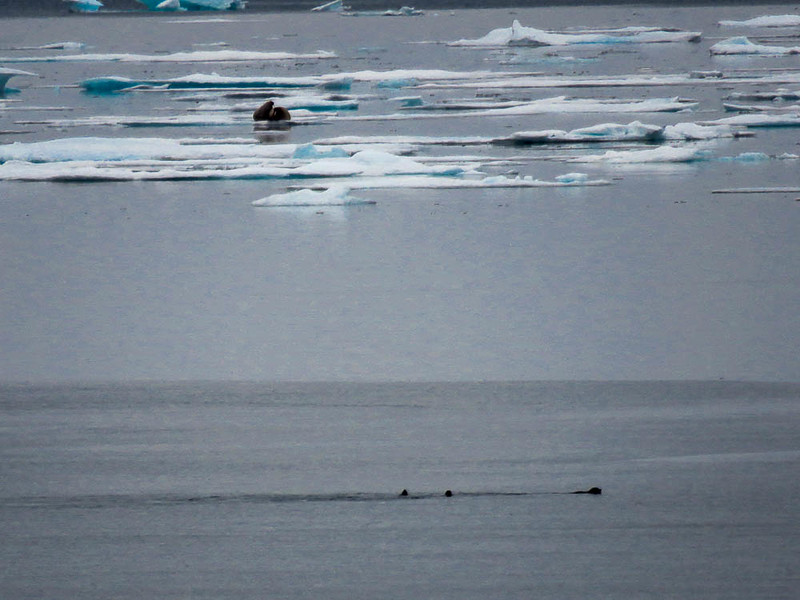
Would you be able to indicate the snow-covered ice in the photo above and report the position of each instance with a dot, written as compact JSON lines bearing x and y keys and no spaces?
{"x":765,"y":21}
{"x":519,"y":35}
{"x":742,"y":45}
{"x":662,"y":154}
{"x":337,"y":195}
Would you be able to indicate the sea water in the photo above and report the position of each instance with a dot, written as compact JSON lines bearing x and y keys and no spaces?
{"x":291,"y":490}
{"x":219,"y":490}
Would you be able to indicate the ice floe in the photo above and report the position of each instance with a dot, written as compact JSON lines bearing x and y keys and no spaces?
{"x":169,"y":5}
{"x":556,"y":105}
{"x":615,"y":132}
{"x":777,"y":95}
{"x":765,"y":21}
{"x":196,"y":56}
{"x":519,"y":35}
{"x":337,"y":195}
{"x":105,"y":159}
{"x":760,"y":120}
{"x":778,"y":107}
{"x":742,"y":45}
{"x":662,"y":154}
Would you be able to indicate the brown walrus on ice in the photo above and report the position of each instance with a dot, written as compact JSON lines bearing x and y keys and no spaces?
{"x":269,"y":112}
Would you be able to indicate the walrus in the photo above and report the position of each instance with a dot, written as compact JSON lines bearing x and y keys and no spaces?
{"x":269,"y":112}
{"x":594,"y":490}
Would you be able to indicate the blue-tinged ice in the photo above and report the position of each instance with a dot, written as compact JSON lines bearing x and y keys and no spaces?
{"x":336,"y":195}
{"x":519,"y":35}
{"x":746,"y":157}
{"x":397,"y":83}
{"x":6,"y":74}
{"x":765,"y":21}
{"x":572,"y":178}
{"x":310,"y":151}
{"x":84,"y":6}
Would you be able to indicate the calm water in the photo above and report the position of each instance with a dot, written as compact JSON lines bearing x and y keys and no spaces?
{"x":290,"y":490}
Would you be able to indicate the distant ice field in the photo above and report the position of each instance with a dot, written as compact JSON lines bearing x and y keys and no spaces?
{"x":488,"y":106}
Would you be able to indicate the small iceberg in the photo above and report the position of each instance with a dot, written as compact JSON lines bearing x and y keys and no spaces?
{"x":336,"y":195}
{"x":6,"y":74}
{"x":84,"y":6}
{"x":765,"y":21}
{"x":742,"y":45}
{"x":519,"y":35}
{"x":334,"y":6}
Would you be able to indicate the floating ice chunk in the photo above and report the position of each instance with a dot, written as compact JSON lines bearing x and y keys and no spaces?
{"x":397,"y":83}
{"x":372,"y":163}
{"x":6,"y":74}
{"x":193,"y":4}
{"x":495,"y":181}
{"x":56,"y":46}
{"x":733,"y":107}
{"x":605,"y":132}
{"x":747,"y":157}
{"x":572,"y":178}
{"x":310,"y":151}
{"x":779,"y":94}
{"x":403,"y":11}
{"x":84,"y":6}
{"x":742,"y":45}
{"x":334,"y":6}
{"x":695,"y":131}
{"x":337,"y":195}
{"x":519,"y":35}
{"x":760,"y":120}
{"x":664,"y":154}
{"x":120,"y":149}
{"x":556,"y":105}
{"x":765,"y":21}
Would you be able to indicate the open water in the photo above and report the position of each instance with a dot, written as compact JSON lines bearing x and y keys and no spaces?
{"x":290,"y":490}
